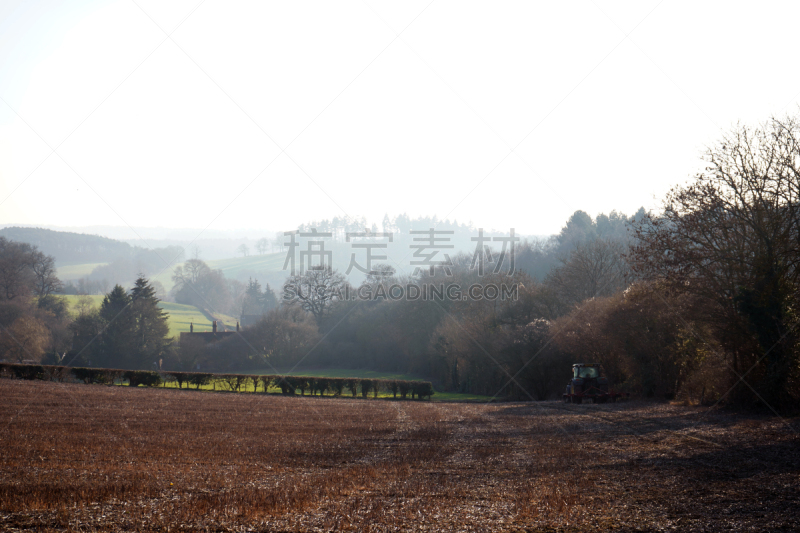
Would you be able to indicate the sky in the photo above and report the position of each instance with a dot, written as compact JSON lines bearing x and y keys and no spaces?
{"x":266,"y":115}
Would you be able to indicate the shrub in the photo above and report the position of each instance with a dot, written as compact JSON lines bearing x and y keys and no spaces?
{"x":148,"y":378}
{"x":337,"y":386}
{"x":110,"y":376}
{"x":88,"y":375}
{"x":29,"y":372}
{"x":181,"y":378}
{"x":286,"y":383}
{"x":323,"y":385}
{"x":403,"y":387}
{"x":422,"y":389}
{"x":366,"y":387}
{"x":302,"y":383}
{"x":199,"y":379}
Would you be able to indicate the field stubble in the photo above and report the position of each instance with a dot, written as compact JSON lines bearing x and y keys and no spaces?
{"x":97,"y":458}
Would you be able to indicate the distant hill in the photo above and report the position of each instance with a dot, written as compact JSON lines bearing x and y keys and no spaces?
{"x":70,"y":248}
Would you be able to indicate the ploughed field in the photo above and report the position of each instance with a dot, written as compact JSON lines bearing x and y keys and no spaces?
{"x":97,"y":458}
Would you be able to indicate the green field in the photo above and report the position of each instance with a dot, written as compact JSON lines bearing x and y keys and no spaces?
{"x":73,"y":272}
{"x":180,"y":316}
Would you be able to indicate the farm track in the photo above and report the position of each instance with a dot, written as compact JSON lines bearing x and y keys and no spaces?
{"x":97,"y":458}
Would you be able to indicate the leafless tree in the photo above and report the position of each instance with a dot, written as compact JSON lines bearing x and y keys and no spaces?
{"x":44,"y":270}
{"x":595,"y":268}
{"x":315,"y":290}
{"x":26,"y":339}
{"x":732,"y":237}
{"x":16,"y":273}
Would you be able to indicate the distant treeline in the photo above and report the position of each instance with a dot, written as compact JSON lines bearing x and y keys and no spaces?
{"x":70,"y":247}
{"x":231,"y":382}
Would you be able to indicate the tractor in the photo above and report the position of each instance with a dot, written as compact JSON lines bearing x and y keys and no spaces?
{"x":588,"y":382}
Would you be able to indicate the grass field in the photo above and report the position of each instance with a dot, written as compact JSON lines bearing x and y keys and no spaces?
{"x":97,"y":458}
{"x":73,"y":272}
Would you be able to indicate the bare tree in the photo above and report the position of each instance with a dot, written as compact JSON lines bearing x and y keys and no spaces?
{"x":595,"y":268}
{"x":26,"y":339}
{"x":243,"y":249}
{"x":16,"y":275}
{"x":262,"y":245}
{"x":732,"y":237}
{"x":44,"y":270}
{"x":191,"y":271}
{"x":315,"y":290}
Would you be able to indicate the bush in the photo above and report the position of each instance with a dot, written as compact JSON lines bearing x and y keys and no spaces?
{"x":302,"y":383}
{"x":89,"y":375}
{"x":337,"y":386}
{"x":199,"y":379}
{"x":148,"y":378}
{"x":423,"y":389}
{"x":286,"y":383}
{"x":403,"y":387}
{"x":29,"y":372}
{"x":366,"y":387}
{"x":181,"y":378}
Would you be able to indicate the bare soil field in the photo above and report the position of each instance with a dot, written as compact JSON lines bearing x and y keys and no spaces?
{"x":100,"y":458}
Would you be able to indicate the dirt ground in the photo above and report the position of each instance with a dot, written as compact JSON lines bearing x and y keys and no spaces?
{"x":98,"y":458}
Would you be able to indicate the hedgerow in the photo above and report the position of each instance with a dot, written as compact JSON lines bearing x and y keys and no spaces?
{"x":232,"y":382}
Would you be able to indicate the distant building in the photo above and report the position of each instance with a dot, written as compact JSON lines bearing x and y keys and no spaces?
{"x":208,"y":336}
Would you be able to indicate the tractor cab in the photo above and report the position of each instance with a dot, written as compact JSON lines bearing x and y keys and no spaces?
{"x":589,"y":382}
{"x":582,"y":370}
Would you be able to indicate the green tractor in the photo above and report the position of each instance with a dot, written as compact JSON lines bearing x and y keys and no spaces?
{"x":589,"y":383}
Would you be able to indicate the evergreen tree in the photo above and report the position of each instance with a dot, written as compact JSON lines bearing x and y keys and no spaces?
{"x":252,"y":298}
{"x":256,"y":302}
{"x":150,"y":328}
{"x":135,"y":330}
{"x":114,"y":350}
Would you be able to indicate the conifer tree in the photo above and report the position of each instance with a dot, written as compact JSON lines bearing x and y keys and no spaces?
{"x":150,"y":328}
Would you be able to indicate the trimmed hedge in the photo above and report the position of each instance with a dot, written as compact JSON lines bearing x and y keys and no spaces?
{"x":233,"y":382}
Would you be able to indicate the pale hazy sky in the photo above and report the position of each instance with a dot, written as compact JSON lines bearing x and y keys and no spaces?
{"x":270,"y":114}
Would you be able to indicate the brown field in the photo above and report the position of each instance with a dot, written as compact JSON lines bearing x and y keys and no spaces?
{"x":98,"y":458}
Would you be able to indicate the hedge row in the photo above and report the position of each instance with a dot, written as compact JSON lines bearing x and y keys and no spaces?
{"x":232,"y":382}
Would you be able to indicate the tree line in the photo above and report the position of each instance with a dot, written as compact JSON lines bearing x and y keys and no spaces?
{"x":697,"y":301}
